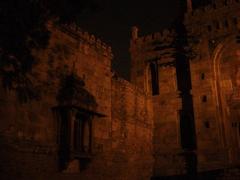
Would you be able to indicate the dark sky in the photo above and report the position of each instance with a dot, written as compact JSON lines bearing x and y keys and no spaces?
{"x":113,"y":20}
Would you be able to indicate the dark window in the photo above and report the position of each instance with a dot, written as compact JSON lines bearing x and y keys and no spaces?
{"x":78,"y":135}
{"x":235,"y":21}
{"x":217,"y":24}
{"x":75,"y":136}
{"x":207,"y":124}
{"x":204,"y":98}
{"x":238,"y":38}
{"x":214,"y":6}
{"x":234,"y":124}
{"x":154,"y":75}
{"x":202,"y":76}
{"x":209,"y":28}
{"x":82,"y":135}
{"x":239,"y":128}
{"x":226,"y":23}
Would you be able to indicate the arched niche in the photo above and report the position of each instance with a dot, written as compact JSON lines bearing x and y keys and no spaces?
{"x":226,"y":87}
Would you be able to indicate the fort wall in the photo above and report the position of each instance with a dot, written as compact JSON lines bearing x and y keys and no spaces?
{"x":211,"y":29}
{"x":121,"y":130}
{"x":132,"y":125}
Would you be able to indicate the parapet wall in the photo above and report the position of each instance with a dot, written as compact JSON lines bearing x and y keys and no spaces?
{"x":132,"y":128}
{"x":83,"y":36}
{"x":218,"y":5}
{"x":167,"y":35}
{"x":216,"y":19}
{"x":127,"y":85}
{"x":156,"y":46}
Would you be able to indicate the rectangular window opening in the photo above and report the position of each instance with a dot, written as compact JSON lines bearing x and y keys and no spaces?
{"x":209,"y":28}
{"x":226,"y":23}
{"x":217,"y":25}
{"x":207,"y":124}
{"x":154,"y":75}
{"x":235,"y":20}
{"x":204,"y":98}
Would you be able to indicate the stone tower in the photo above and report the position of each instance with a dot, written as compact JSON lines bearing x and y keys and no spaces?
{"x":154,"y":70}
{"x":212,"y":32}
{"x":192,"y":73}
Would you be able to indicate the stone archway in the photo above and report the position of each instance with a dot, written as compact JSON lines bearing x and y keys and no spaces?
{"x":226,"y":87}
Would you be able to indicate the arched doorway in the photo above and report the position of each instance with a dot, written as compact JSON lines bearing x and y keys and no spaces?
{"x":226,"y":87}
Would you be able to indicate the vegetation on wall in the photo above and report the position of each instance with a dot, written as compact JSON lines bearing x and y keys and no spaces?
{"x":23,"y":28}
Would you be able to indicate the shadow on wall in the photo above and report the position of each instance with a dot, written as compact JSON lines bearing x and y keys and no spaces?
{"x":75,"y":112}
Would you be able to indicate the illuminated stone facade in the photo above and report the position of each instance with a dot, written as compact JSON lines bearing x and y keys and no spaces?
{"x":211,"y":73}
{"x":180,"y":113}
{"x":215,"y":89}
{"x":98,"y":128}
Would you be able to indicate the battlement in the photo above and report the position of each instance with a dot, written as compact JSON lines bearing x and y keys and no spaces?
{"x":215,"y":20}
{"x":158,"y":45}
{"x":83,"y":36}
{"x":127,"y":85}
{"x":220,"y":6}
{"x":165,"y":36}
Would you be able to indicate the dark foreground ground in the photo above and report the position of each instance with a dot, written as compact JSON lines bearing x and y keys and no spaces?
{"x":226,"y":174}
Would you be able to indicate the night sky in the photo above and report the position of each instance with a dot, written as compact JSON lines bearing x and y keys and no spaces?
{"x":112,"y":22}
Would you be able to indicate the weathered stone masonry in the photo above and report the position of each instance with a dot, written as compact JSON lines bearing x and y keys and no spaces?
{"x":90,"y":124}
{"x":121,"y":145}
{"x":214,"y":63}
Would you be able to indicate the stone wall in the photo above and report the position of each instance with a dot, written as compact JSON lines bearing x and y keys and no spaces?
{"x":132,"y":125}
{"x":217,"y":19}
{"x":167,"y":136}
{"x":121,"y":137}
{"x":157,"y":49}
{"x":213,"y":30}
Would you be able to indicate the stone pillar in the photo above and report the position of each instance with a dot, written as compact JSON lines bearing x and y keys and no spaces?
{"x":189,"y":5}
{"x":134,"y":32}
{"x":72,"y":118}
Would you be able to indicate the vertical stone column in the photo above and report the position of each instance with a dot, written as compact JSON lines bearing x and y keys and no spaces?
{"x":189,"y":5}
{"x":134,"y":33}
{"x":90,"y":135}
{"x":82,"y":121}
{"x":72,"y":118}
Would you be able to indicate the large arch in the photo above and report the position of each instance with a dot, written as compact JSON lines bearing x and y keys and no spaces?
{"x":226,"y":88}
